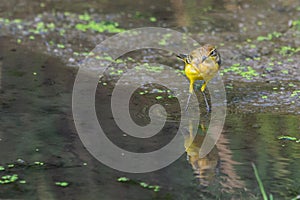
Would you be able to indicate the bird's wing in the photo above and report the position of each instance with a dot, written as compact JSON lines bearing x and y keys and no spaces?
{"x":195,"y":68}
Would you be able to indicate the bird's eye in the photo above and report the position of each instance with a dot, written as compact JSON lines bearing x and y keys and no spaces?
{"x":213,"y":53}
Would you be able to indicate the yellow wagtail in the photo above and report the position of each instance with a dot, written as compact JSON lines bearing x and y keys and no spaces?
{"x":201,"y":64}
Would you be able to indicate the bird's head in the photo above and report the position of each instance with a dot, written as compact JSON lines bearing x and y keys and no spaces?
{"x":205,"y":54}
{"x":209,"y":52}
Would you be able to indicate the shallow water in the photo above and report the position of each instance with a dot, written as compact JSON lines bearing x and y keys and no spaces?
{"x":36,"y":98}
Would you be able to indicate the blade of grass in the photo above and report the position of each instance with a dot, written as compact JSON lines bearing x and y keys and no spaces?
{"x":297,"y":197}
{"x":260,"y":184}
{"x":271,"y":197}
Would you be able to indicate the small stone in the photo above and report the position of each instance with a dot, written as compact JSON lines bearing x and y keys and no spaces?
{"x":71,"y":60}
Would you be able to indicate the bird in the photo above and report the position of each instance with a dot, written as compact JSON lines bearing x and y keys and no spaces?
{"x":202,"y":63}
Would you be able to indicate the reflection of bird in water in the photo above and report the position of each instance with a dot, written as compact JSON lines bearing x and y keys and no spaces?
{"x":201,"y":64}
{"x":207,"y":169}
{"x":204,"y":168}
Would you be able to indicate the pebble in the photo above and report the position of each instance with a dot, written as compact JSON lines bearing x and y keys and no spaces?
{"x":71,"y":60}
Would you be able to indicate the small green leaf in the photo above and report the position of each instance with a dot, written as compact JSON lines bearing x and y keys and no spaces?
{"x":61,"y":46}
{"x":62,"y":184}
{"x":143,"y":184}
{"x":295,"y":93}
{"x":85,"y":17}
{"x":123,"y":179}
{"x":259,"y":23}
{"x":152,"y":19}
{"x":264,"y":97}
{"x":156,"y":188}
{"x":269,"y":68}
{"x":38,"y":163}
{"x":285,"y":137}
{"x":10,"y":165}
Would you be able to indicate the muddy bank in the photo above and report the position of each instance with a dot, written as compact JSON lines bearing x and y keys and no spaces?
{"x":255,"y":48}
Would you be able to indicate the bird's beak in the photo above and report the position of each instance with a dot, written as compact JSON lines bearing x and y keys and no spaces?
{"x":182,"y":56}
{"x":203,"y":59}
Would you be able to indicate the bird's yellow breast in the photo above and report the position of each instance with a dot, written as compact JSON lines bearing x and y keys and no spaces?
{"x":201,"y":71}
{"x":192,"y":73}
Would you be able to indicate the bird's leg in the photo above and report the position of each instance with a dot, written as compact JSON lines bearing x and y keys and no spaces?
{"x":205,"y":99}
{"x":188,"y":101}
{"x":191,"y":90}
{"x":206,"y":102}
